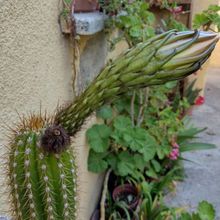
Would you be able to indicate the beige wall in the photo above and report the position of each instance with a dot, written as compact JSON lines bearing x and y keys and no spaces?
{"x":35,"y":62}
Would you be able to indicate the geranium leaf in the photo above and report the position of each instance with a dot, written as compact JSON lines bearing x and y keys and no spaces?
{"x":206,"y":211}
{"x":104,"y":112}
{"x":98,"y":137}
{"x":96,"y":162}
{"x":125,"y":164}
{"x":121,"y":123}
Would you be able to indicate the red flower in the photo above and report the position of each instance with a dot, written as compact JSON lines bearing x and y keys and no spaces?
{"x":200,"y":100}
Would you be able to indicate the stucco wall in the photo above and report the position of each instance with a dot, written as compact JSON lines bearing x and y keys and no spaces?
{"x":35,"y":62}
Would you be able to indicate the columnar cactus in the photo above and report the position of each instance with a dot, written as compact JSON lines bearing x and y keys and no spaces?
{"x":43,"y":183}
{"x":42,"y":168}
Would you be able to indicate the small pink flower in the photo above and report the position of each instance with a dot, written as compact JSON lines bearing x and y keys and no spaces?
{"x":172,"y":156}
{"x":176,"y":10}
{"x":175,"y":153}
{"x":200,"y":100}
{"x":175,"y":145}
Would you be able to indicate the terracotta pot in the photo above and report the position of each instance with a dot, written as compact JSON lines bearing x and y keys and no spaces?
{"x":127,"y":193}
{"x":85,"y":5}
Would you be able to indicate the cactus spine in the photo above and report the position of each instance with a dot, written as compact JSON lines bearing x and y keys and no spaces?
{"x":43,"y":184}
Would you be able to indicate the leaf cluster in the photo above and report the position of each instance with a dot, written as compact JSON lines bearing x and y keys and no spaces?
{"x":135,"y":21}
{"x":124,"y":148}
{"x":141,"y":151}
{"x":129,"y":149}
{"x":205,"y":211}
{"x":208,"y":18}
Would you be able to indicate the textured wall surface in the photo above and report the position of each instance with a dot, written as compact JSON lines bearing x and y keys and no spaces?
{"x":35,"y":62}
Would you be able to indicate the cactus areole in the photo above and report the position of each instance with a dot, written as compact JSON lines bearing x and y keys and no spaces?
{"x":42,"y":169}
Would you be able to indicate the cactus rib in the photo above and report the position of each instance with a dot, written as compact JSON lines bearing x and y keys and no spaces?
{"x":43,"y":184}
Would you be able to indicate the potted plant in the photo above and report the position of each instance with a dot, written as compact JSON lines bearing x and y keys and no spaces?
{"x":128,"y":194}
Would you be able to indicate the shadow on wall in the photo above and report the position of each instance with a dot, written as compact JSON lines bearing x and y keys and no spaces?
{"x":92,"y":60}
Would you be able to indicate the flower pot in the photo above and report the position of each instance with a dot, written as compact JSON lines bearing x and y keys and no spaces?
{"x":85,"y":5}
{"x":128,"y":194}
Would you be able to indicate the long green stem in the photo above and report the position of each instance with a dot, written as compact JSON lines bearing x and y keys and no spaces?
{"x":149,"y":63}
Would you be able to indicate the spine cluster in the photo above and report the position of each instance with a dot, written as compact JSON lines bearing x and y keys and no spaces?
{"x":43,"y":184}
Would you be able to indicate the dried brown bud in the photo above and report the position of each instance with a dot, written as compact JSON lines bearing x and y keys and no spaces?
{"x":55,"y":139}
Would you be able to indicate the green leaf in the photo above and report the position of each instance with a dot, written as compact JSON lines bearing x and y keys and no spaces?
{"x":195,"y":216}
{"x":98,"y":137}
{"x":146,"y":187}
{"x":149,"y":146}
{"x":196,"y":146}
{"x":156,"y":165}
{"x":206,"y":211}
{"x":150,"y":18}
{"x":135,"y":138}
{"x":139,"y":140}
{"x":171,"y":85}
{"x":148,"y":152}
{"x":151,"y":173}
{"x":139,"y":162}
{"x":149,"y":31}
{"x":68,"y":1}
{"x":188,"y":133}
{"x":121,"y":123}
{"x":122,"y":104}
{"x":135,"y":31}
{"x":185,"y":216}
{"x":214,"y":8}
{"x":125,"y":165}
{"x":96,"y":162}
{"x":125,"y":21}
{"x":135,"y":21}
{"x":104,"y":112}
{"x":112,"y":161}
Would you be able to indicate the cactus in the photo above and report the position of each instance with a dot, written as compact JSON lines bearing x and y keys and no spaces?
{"x":43,"y":185}
{"x":169,"y":56}
{"x":42,"y":168}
